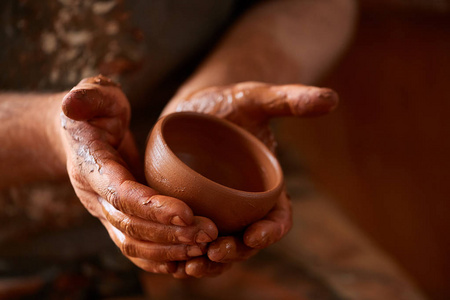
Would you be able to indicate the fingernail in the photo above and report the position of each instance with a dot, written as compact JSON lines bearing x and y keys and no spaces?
{"x":257,"y":242}
{"x":202,"y":237}
{"x":194,"y":251}
{"x":164,"y":268}
{"x":184,"y":239}
{"x":177,"y":221}
{"x":216,"y":254}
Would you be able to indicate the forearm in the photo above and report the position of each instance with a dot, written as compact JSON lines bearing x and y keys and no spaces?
{"x":30,"y":147}
{"x":279,"y":42}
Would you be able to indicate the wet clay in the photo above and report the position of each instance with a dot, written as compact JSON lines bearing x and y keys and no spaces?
{"x":101,"y":80}
{"x":221,"y":171}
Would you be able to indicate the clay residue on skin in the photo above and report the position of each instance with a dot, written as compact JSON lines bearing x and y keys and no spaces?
{"x":252,"y":104}
{"x":212,"y":101}
{"x":83,"y":153}
{"x":86,"y":158}
{"x":101,"y":80}
{"x":64,"y":120}
{"x":306,"y":102}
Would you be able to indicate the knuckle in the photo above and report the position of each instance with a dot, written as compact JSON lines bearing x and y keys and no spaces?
{"x":128,"y":248}
{"x":127,"y":225}
{"x":174,"y":238}
{"x":182,"y":235}
{"x":170,"y":255}
{"x":170,"y":237}
{"x":113,"y":197}
{"x":74,"y":173}
{"x":78,"y":179}
{"x":175,"y":253}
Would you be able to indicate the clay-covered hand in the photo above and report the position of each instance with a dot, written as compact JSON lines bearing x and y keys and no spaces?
{"x":152,"y":230}
{"x":251,"y":105}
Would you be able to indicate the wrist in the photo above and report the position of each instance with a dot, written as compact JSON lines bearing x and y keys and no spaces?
{"x":31,"y":143}
{"x":54,"y":132}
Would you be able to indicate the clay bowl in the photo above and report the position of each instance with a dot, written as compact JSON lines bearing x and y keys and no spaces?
{"x":220,"y":170}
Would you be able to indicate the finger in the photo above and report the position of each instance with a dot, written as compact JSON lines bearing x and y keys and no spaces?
{"x":180,"y":273}
{"x":202,"y":267}
{"x":154,"y":266}
{"x":153,"y":251}
{"x":299,"y":101}
{"x":111,"y":131}
{"x":229,"y":249}
{"x":286,"y":100}
{"x":203,"y":230}
{"x":91,"y":99}
{"x":130,"y":154}
{"x":136,"y":199}
{"x":272,"y":228}
{"x":113,"y":128}
{"x":108,"y":176}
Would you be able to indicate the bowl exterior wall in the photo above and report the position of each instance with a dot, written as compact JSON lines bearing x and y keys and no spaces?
{"x":231,"y":210}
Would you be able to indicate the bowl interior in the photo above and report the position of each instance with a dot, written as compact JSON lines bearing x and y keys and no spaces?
{"x":220,"y":152}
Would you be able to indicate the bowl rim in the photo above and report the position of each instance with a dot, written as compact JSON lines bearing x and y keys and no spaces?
{"x":261,"y":147}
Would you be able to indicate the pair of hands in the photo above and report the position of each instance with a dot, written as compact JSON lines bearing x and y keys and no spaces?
{"x":160,"y":234}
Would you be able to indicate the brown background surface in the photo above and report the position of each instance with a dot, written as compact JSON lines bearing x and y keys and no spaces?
{"x":384,"y":154}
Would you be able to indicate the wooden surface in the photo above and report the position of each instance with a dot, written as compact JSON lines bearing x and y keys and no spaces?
{"x":383,"y":156}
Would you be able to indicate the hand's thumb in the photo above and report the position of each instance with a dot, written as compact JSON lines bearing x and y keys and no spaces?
{"x":93,"y":97}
